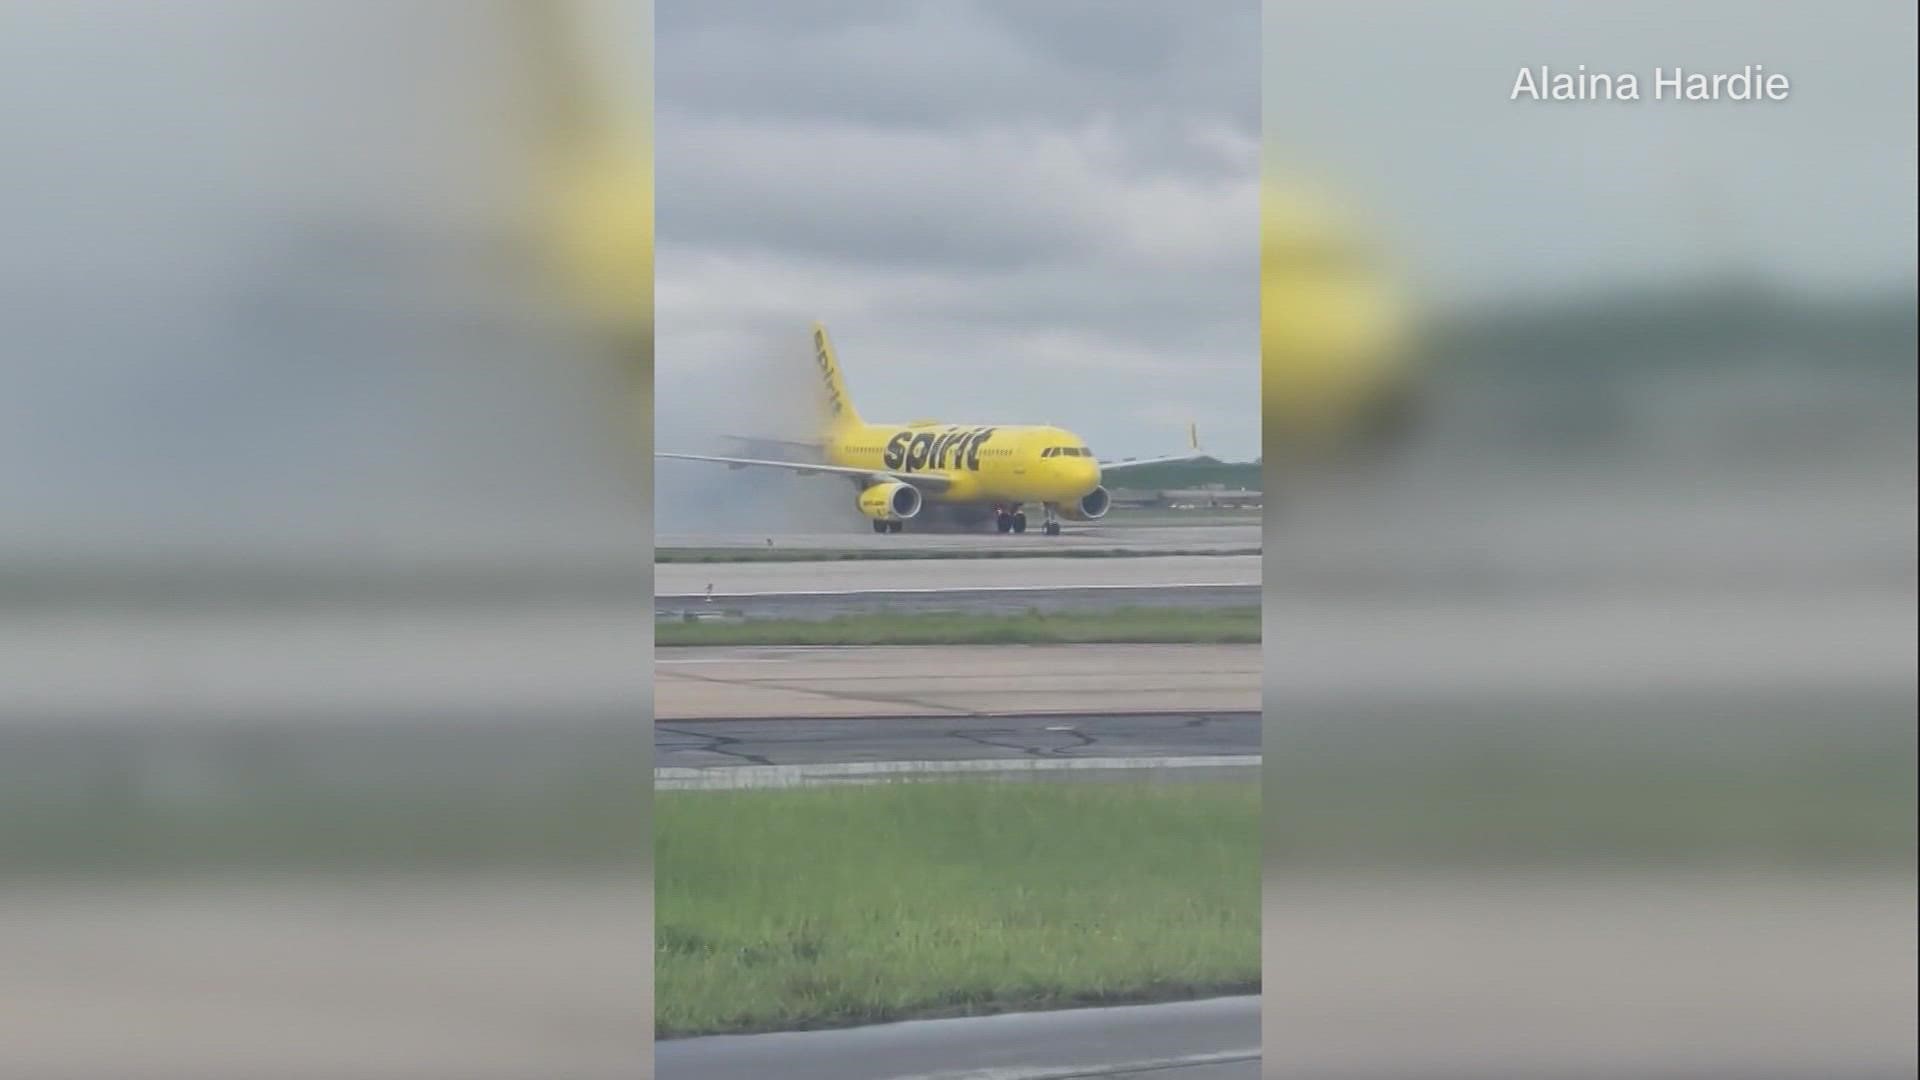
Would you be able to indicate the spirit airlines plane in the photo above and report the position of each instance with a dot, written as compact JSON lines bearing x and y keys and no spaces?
{"x":967,"y":472}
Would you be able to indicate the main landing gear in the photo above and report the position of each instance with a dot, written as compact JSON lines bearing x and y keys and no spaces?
{"x":1013,"y":519}
{"x":888,"y":526}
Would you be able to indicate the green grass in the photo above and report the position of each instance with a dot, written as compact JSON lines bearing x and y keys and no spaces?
{"x":824,"y":907}
{"x":1236,"y":625}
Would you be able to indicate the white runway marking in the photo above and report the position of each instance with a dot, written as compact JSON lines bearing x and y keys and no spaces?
{"x":1075,"y":1072}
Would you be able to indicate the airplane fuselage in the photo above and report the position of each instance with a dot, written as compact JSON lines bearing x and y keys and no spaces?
{"x":969,"y":469}
{"x":983,"y":463}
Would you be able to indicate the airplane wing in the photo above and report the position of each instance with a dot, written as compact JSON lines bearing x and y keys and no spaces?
{"x":1134,"y":463}
{"x":924,"y":481}
{"x":762,"y":447}
{"x":1194,"y":453}
{"x":766,"y":440}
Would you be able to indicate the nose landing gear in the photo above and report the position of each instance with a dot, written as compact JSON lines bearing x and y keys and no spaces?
{"x":1052,"y":526}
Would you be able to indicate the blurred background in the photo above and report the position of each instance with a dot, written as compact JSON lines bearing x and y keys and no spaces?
{"x":324,"y":422}
{"x":1590,"y":577}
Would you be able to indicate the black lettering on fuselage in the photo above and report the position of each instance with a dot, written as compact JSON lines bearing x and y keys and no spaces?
{"x":955,"y":448}
{"x":896,"y":455}
{"x":973,"y":449}
{"x":918,"y":449}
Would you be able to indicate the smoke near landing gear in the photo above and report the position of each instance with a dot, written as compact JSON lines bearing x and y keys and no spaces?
{"x":754,"y":394}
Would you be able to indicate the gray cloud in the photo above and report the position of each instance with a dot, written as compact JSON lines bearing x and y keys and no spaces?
{"x":920,"y":63}
{"x":1059,"y":201}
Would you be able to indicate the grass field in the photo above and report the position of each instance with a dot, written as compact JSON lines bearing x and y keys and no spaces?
{"x":1235,"y":625}
{"x":836,"y":906}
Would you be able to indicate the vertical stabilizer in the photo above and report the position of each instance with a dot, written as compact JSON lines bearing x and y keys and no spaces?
{"x":840,"y":410}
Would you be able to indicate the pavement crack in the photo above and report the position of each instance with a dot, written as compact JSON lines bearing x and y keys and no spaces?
{"x":980,"y":739}
{"x":1086,"y":740}
{"x":717,"y":744}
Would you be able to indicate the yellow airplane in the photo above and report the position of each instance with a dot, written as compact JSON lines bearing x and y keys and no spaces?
{"x":969,"y":472}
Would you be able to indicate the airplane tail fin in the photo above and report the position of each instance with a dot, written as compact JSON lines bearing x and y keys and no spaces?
{"x":840,"y":410}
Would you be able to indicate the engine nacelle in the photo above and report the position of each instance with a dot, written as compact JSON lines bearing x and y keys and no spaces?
{"x":1092,"y":506}
{"x":890,"y":502}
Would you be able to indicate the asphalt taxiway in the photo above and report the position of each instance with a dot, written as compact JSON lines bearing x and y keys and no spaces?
{"x":828,"y":604}
{"x":733,"y":754}
{"x":1215,"y":1039}
{"x":1210,"y":534}
{"x":701,"y":744}
{"x":952,"y":681}
{"x":825,"y":589}
{"x":935,"y":575}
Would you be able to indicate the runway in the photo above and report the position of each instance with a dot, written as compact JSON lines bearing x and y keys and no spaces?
{"x":1216,"y":1039}
{"x":802,"y":683}
{"x":816,"y":590}
{"x":701,"y":744}
{"x":929,"y":575}
{"x":1012,"y":600}
{"x":1203,"y":534}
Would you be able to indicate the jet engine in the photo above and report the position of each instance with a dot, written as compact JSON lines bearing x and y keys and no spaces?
{"x":890,"y":501}
{"x":1092,"y":506}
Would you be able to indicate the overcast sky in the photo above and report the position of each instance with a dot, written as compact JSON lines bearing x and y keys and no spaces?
{"x":1486,"y":198}
{"x":1007,"y":212}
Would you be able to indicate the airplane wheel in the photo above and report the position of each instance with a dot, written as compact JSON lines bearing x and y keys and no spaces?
{"x":1002,"y":523}
{"x":1053,"y":528}
{"x":1019,"y":523}
{"x":896,"y":526}
{"x":879,"y":526}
